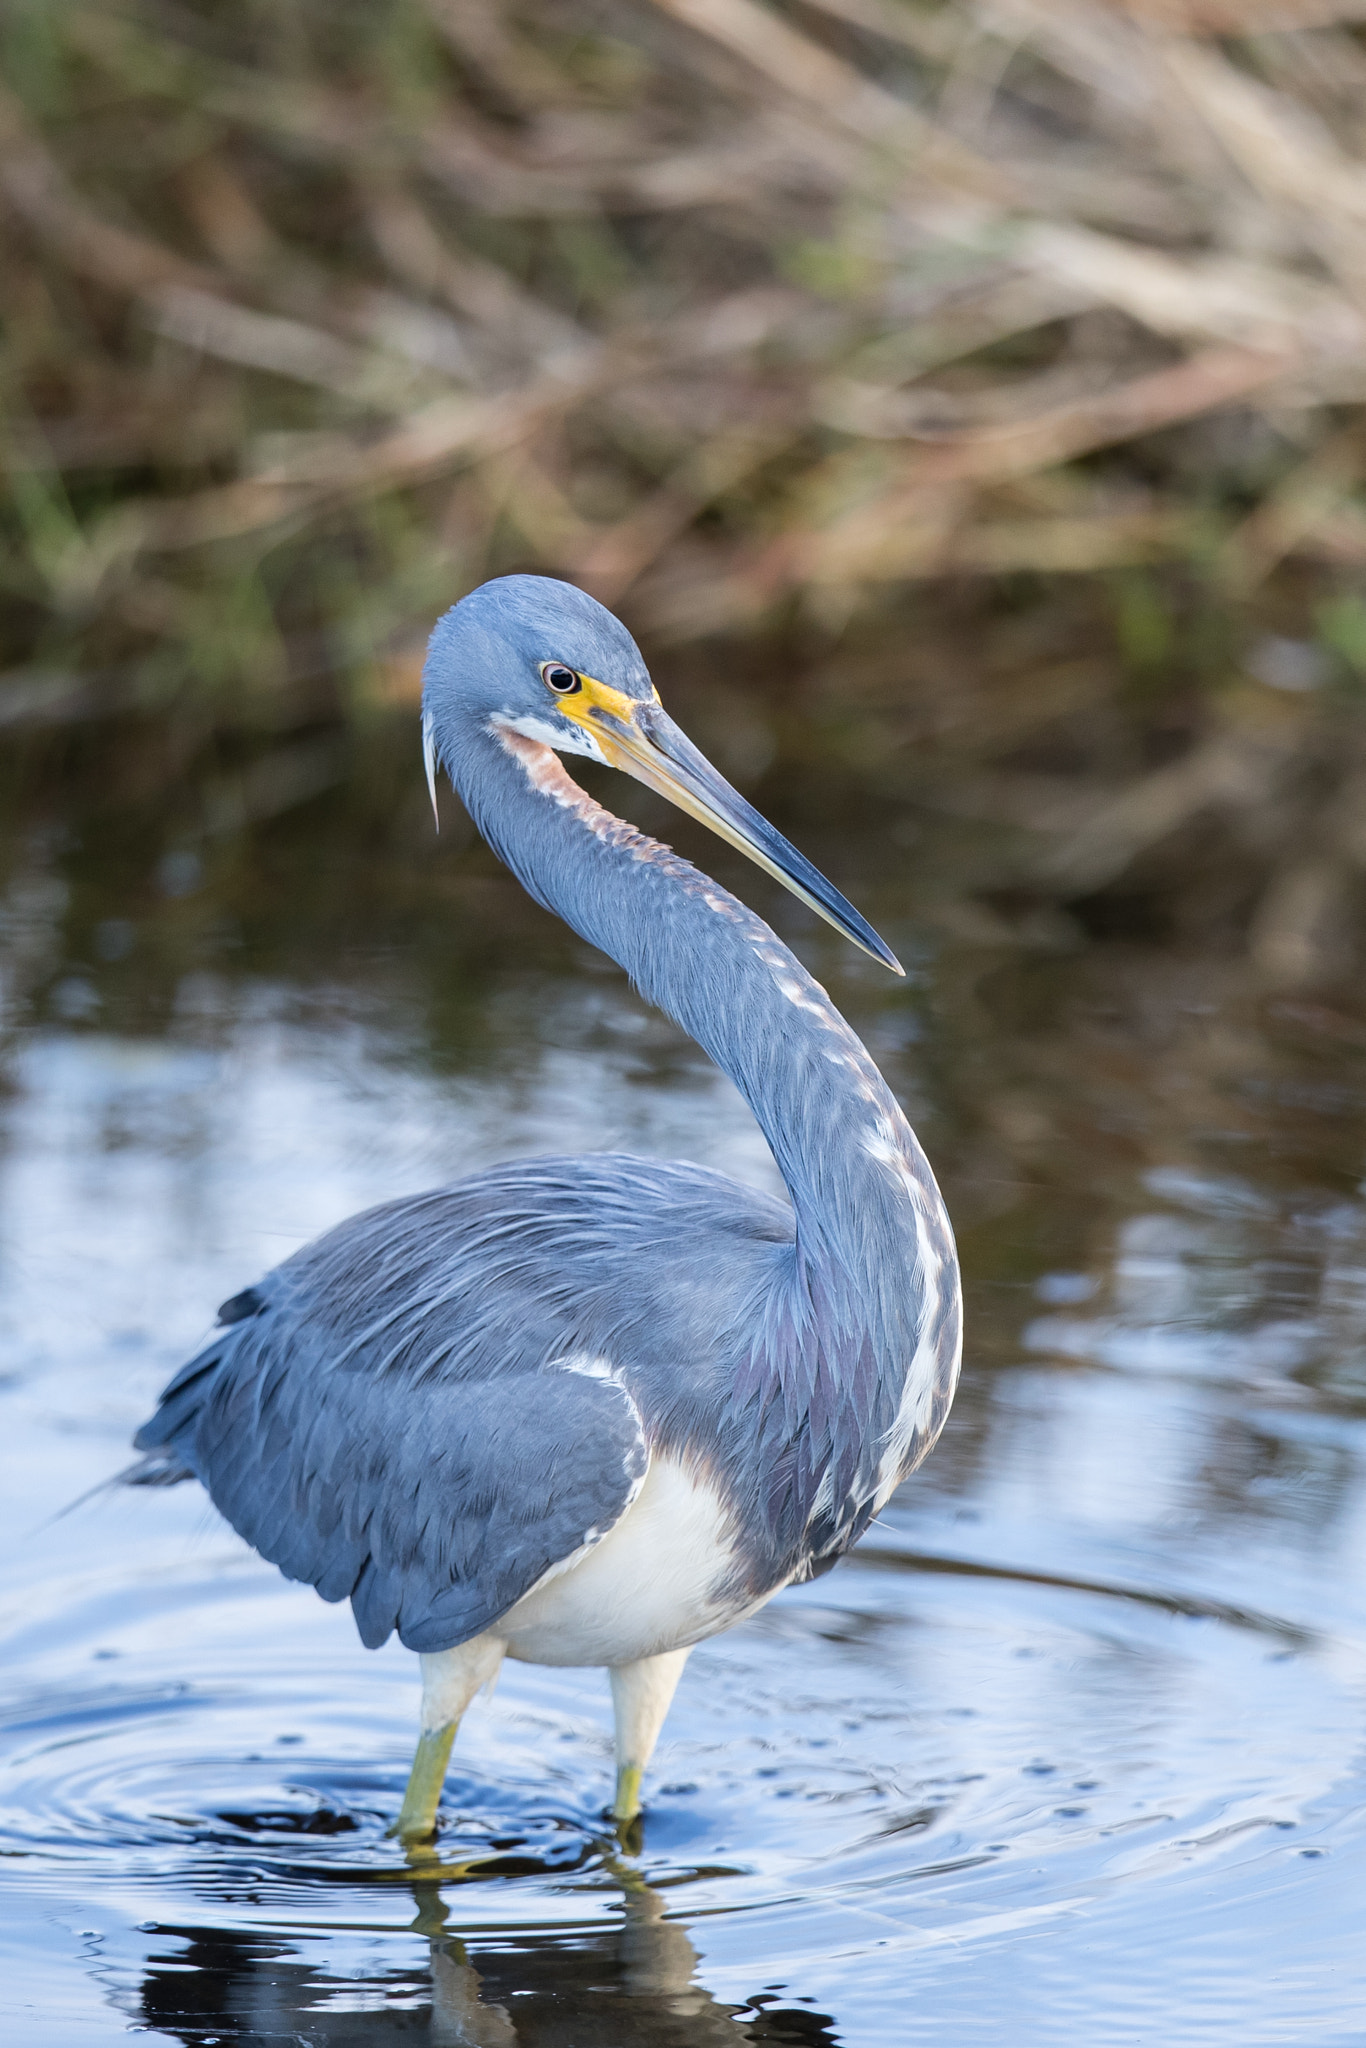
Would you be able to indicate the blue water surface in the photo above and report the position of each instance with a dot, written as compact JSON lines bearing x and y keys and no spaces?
{"x":1071,"y":1748}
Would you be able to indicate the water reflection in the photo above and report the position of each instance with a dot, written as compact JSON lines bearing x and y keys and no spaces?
{"x":632,"y":1988}
{"x":1075,"y":1742}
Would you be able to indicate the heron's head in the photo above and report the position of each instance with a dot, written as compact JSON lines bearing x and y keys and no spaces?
{"x":534,"y":658}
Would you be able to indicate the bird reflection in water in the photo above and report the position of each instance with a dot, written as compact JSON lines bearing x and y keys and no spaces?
{"x":652,"y":1963}
{"x":632,"y":1987}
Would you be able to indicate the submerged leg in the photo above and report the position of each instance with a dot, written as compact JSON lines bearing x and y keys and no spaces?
{"x":641,"y":1693}
{"x":450,"y":1679}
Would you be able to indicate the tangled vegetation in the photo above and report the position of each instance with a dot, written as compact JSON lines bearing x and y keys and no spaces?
{"x":1034,"y":329}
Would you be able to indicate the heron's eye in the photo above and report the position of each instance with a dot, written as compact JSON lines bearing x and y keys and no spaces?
{"x":560,"y":679}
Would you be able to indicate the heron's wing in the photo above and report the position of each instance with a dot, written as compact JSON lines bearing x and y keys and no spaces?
{"x":434,"y":1506}
{"x":392,"y":1415}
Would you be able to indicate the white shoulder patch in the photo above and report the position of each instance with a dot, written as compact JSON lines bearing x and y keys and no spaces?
{"x":589,"y":1367}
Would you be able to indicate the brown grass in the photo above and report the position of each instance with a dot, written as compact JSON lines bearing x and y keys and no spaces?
{"x":317,"y":312}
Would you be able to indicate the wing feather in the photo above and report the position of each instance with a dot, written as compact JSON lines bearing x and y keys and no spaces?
{"x":393,"y":1416}
{"x":433,"y":1505}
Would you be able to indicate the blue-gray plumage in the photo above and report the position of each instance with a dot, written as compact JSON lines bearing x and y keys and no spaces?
{"x":590,"y":1410}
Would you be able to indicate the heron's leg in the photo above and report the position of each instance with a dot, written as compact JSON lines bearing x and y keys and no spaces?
{"x":641,"y":1694}
{"x":422,"y":1794}
{"x":450,"y":1679}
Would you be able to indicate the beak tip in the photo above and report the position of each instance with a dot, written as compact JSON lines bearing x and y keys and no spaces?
{"x":874,"y":943}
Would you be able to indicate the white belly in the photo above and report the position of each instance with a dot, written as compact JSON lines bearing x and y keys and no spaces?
{"x":653,"y":1583}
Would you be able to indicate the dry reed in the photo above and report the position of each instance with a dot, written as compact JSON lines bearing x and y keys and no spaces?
{"x":317,"y":312}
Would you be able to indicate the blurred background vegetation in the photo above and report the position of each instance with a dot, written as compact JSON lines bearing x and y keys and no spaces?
{"x":967,"y":399}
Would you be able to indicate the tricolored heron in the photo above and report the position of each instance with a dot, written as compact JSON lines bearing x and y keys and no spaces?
{"x":592,"y":1410}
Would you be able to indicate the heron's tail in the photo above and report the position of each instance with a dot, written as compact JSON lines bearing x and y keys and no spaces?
{"x":159,"y":1468}
{"x":165,"y":1439}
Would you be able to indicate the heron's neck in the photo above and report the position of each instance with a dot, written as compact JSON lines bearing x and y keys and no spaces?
{"x":874,"y":1253}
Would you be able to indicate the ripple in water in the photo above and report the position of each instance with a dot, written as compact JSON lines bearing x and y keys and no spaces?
{"x":938,"y":1764}
{"x":1074,"y":1743}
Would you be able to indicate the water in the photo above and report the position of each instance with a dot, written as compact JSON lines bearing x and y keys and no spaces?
{"x":1073,"y":1742}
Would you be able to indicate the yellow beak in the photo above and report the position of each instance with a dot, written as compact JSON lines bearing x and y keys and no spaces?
{"x":637,"y":735}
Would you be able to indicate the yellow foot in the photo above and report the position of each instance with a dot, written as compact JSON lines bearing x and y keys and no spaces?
{"x":626,"y":1805}
{"x":417,"y":1816}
